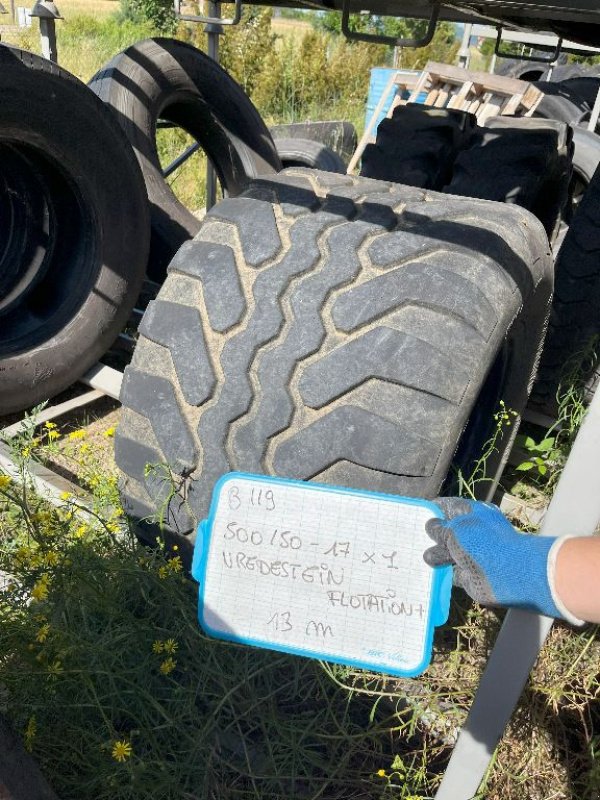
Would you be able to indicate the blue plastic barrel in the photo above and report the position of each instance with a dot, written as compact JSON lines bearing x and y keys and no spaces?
{"x":379,"y":80}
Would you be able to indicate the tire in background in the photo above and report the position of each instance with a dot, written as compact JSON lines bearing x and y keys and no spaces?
{"x":417,"y":145}
{"x":171,"y":80}
{"x":83,"y":207}
{"x":331,"y":328}
{"x":586,"y":86}
{"x":338,"y":135}
{"x":522,"y":70}
{"x":307,"y":153}
{"x":562,"y":103}
{"x":575,"y":316}
{"x":526,"y":162}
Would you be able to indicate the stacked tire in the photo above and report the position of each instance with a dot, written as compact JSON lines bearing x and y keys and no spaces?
{"x":75,"y":229}
{"x":165,"y":79}
{"x":85,"y":212}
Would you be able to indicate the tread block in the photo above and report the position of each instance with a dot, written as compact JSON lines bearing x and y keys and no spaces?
{"x":215,"y":265}
{"x":133,"y":456}
{"x":266,"y":320}
{"x":155,"y":399}
{"x":415,"y":283}
{"x":352,"y":434}
{"x":256,"y":223}
{"x":386,"y":354}
{"x":305,"y":334}
{"x":178,"y":328}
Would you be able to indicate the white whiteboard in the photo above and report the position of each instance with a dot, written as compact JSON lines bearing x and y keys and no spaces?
{"x":320,"y":571}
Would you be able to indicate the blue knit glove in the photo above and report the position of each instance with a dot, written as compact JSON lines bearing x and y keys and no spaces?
{"x":493,"y":563}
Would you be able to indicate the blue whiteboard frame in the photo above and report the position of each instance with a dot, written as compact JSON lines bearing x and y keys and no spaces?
{"x":439,"y":600}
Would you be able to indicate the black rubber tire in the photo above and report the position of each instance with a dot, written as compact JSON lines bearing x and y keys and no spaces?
{"x":575,"y":316}
{"x":568,"y":72}
{"x":522,"y":70}
{"x":307,"y":153}
{"x":171,"y":80}
{"x":527,"y":162}
{"x":417,"y":145}
{"x":561,"y":103}
{"x":338,"y":135}
{"x":332,"y":328}
{"x":586,"y":86}
{"x":24,"y":222}
{"x":88,"y":275}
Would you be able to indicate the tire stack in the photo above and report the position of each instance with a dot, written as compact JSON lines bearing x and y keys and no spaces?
{"x":85,"y":212}
{"x":75,"y":229}
{"x":526,"y":162}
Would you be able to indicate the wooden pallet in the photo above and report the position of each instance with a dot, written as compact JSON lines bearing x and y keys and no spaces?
{"x":479,"y":93}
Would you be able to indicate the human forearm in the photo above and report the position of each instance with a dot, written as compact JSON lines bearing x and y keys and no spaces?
{"x":577,"y":577}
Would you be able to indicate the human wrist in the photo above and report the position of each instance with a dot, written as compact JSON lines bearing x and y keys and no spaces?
{"x":558,"y":585}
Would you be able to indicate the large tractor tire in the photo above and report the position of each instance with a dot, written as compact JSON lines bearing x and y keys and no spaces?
{"x":574,"y":328}
{"x":527,"y":162}
{"x":75,"y":229}
{"x":336,"y":329}
{"x":417,"y":146}
{"x":173,"y":81}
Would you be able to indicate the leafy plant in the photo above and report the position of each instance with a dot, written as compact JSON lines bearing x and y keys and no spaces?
{"x":542,"y":456}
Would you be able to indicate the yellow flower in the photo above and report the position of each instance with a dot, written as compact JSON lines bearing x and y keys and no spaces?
{"x":109,"y":432}
{"x":80,"y":531}
{"x":51,"y":558}
{"x":121,"y":751}
{"x":30,"y":732}
{"x":112,"y":527}
{"x":42,"y":634}
{"x":175,"y":564}
{"x":65,"y":495}
{"x":40,"y":589}
{"x":381,"y":773}
{"x":79,"y":434}
{"x":170,"y":646}
{"x":168,"y":665}
{"x":55,"y":669}
{"x":5,"y":481}
{"x":85,"y":447}
{"x":26,"y":452}
{"x":157,"y":646}
{"x":53,"y":435}
{"x":50,"y":425}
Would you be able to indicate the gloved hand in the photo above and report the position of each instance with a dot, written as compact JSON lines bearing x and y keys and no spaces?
{"x":494,"y":563}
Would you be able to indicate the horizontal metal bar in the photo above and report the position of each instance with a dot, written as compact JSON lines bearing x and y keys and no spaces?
{"x":181,"y":159}
{"x":47,"y":484}
{"x":525,"y":37}
{"x":107,"y":379}
{"x":53,"y":412}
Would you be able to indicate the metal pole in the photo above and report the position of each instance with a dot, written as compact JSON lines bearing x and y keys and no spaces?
{"x":48,"y":36}
{"x":574,"y":509}
{"x":213,"y":31}
{"x":595,"y":113}
{"x":464,"y":54}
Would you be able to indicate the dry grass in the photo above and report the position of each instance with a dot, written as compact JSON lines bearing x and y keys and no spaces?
{"x":94,"y":8}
